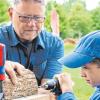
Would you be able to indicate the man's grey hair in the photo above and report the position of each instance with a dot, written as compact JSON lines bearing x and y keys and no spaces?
{"x":15,"y":2}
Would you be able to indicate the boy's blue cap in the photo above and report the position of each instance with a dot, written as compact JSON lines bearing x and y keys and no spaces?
{"x":87,"y":49}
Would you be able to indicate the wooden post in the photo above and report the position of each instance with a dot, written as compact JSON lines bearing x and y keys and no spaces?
{"x":25,"y":89}
{"x":55,"y":23}
{"x":26,"y":86}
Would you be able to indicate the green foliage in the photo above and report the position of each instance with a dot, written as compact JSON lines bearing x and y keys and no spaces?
{"x":79,"y":21}
{"x":75,"y":19}
{"x":96,"y":18}
{"x":3,"y":11}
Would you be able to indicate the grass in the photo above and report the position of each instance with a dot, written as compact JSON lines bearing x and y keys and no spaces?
{"x":81,"y":89}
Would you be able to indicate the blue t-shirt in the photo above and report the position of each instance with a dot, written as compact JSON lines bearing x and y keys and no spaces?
{"x":66,"y":96}
{"x":70,"y":95}
{"x":45,"y":51}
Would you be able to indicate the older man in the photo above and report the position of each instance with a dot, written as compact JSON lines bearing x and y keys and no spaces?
{"x":27,"y":44}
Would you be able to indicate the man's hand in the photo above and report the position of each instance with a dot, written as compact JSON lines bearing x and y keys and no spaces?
{"x":51,"y":95}
{"x":44,"y":81}
{"x":11,"y":68}
{"x":65,"y":81}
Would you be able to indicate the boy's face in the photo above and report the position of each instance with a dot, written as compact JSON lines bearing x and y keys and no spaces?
{"x":91,"y":73}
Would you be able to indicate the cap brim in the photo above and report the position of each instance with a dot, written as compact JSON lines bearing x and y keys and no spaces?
{"x":75,"y":60}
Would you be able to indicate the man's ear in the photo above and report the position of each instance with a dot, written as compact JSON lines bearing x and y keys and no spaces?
{"x":10,"y":12}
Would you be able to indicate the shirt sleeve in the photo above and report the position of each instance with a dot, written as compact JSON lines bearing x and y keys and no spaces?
{"x":53,"y":66}
{"x":66,"y":96}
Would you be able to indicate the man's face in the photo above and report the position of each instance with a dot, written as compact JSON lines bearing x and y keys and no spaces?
{"x":27,"y":19}
{"x":91,"y":73}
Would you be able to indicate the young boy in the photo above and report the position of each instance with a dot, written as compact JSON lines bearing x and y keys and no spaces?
{"x":87,"y":56}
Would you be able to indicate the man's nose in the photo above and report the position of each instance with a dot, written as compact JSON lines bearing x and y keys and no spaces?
{"x":32,"y":22}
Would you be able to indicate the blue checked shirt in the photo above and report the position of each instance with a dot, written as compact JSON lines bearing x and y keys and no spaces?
{"x":44,"y":53}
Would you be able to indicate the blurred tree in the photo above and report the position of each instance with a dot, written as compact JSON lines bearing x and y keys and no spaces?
{"x":79,"y":20}
{"x":3,"y":11}
{"x":75,"y":19}
{"x":96,"y":18}
{"x":62,"y":16}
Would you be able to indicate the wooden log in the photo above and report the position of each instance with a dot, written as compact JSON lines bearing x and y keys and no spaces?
{"x":26,"y":86}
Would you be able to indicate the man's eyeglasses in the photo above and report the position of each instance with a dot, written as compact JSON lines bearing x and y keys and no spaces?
{"x":27,"y":19}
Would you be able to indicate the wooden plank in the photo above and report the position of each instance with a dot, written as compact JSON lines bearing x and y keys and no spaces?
{"x":35,"y":97}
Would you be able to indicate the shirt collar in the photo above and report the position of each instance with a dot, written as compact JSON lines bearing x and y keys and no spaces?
{"x":39,"y":41}
{"x":98,"y":87}
{"x":13,"y":38}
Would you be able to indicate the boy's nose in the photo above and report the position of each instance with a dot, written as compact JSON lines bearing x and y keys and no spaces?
{"x":82,"y":73}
